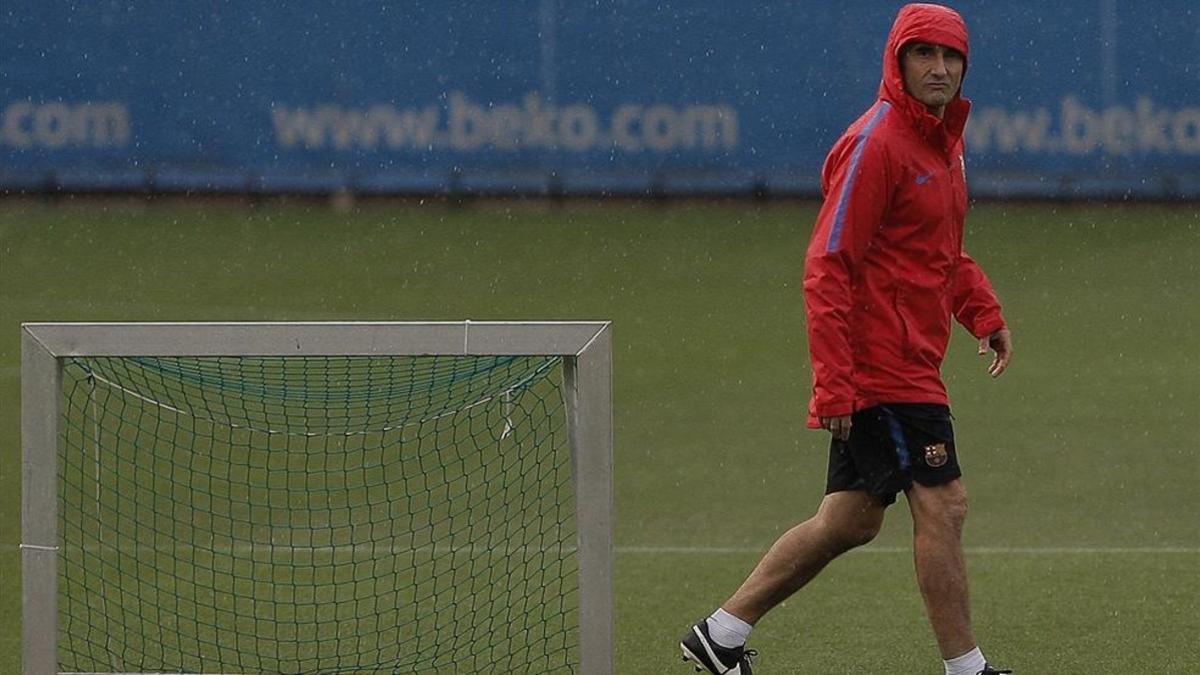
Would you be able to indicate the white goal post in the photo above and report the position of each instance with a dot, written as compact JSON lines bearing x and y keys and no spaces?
{"x":584,"y":347}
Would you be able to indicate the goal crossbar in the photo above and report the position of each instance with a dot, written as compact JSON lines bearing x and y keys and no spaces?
{"x":584,"y":346}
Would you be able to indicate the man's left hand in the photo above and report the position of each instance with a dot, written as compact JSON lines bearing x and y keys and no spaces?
{"x":1001,"y":343}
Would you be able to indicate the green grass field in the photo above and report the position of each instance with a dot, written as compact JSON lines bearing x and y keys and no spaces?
{"x":1082,"y":461}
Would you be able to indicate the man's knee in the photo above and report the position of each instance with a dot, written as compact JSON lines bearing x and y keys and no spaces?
{"x":940,"y":506}
{"x":845,"y":530}
{"x":859,"y":533}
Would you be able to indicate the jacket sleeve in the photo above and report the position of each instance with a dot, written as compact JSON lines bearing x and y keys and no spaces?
{"x":975,"y":304}
{"x":857,"y":191}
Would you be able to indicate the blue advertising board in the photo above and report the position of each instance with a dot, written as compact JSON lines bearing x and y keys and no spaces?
{"x":537,"y":96}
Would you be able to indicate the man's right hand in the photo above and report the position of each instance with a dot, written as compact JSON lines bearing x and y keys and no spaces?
{"x":838,"y":426}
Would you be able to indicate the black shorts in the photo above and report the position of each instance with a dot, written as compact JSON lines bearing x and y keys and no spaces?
{"x":890,"y":446}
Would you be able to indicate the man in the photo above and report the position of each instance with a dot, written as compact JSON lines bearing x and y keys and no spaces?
{"x":884,"y":272}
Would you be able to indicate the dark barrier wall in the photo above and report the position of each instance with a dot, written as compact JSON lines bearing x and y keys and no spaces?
{"x":1071,"y":98}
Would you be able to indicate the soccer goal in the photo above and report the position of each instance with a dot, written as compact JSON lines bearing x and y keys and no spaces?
{"x":317,"y":498}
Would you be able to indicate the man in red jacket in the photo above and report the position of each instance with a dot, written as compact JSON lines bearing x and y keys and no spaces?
{"x":884,"y":273}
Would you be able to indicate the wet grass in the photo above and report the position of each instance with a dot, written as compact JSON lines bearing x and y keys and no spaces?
{"x":1081,"y":461}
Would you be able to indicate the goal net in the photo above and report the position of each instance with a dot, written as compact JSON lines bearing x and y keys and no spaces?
{"x":316,"y":514}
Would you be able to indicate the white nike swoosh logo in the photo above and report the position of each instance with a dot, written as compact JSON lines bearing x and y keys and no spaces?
{"x":736,"y":670}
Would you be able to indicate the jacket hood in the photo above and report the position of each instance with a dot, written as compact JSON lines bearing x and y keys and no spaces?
{"x":935,"y":24}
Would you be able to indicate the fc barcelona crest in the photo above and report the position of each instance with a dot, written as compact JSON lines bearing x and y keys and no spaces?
{"x":935,"y":455}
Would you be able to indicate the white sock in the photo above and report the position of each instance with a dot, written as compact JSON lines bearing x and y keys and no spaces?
{"x":968,"y":664}
{"x":727,"y":630}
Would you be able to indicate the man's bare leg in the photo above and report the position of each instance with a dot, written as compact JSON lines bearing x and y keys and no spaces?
{"x":843,"y":521}
{"x":938,"y":514}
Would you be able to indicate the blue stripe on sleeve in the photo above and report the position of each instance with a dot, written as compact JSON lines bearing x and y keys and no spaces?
{"x":839,"y":215}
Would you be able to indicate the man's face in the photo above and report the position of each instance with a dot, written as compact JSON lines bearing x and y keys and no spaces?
{"x":932,"y":74}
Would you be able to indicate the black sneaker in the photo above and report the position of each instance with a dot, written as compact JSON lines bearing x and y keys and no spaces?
{"x":699,"y":648}
{"x":988,"y":670}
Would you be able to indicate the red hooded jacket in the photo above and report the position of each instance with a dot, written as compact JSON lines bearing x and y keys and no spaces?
{"x":885,"y":269}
